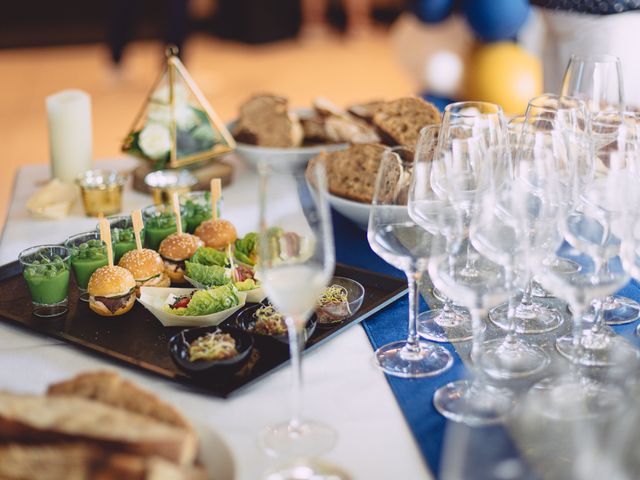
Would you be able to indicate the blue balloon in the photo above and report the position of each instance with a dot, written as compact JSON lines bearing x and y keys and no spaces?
{"x":432,"y":11}
{"x":494,"y":20}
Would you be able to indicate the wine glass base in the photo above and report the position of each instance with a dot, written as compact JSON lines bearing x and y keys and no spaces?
{"x":397,"y":360}
{"x":464,"y":402}
{"x":308,"y":439}
{"x":432,"y":326}
{"x":518,"y":359}
{"x":621,"y":311}
{"x":598,"y":350}
{"x":306,"y":470}
{"x":567,"y":398}
{"x":538,"y":319}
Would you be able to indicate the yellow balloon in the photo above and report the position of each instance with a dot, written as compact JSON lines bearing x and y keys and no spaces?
{"x":505,"y":74}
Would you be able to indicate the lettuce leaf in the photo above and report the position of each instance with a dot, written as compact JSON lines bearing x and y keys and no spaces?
{"x":209,"y":256}
{"x":206,"y":302}
{"x":248,"y":284}
{"x":207,"y":274}
{"x":246,"y":248}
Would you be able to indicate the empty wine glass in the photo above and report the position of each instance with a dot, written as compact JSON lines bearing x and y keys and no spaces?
{"x":398,"y":240}
{"x":473,"y":402}
{"x":296,"y":262}
{"x":595,"y":79}
{"x":449,"y":323}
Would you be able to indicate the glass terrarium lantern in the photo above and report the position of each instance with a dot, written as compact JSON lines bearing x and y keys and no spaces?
{"x":176,"y":125}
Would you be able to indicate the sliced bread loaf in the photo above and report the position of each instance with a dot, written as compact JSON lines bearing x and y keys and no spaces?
{"x":401,"y":120}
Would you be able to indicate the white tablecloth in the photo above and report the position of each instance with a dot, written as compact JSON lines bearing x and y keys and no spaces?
{"x":342,"y":387}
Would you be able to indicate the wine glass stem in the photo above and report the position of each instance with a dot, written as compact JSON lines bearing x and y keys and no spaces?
{"x":295,"y":351}
{"x":578,"y":311}
{"x":477,"y":346}
{"x":413,"y":342}
{"x":525,"y":301}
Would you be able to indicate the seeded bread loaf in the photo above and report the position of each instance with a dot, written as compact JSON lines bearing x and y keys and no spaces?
{"x":401,"y":120}
{"x":351,"y":173}
{"x":66,"y":418}
{"x":265,"y":120}
{"x":83,"y":462}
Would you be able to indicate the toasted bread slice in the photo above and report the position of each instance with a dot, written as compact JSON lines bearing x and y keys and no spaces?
{"x":401,"y":120}
{"x":265,"y":121}
{"x":83,"y":462}
{"x":351,"y":173}
{"x":111,"y":389}
{"x":64,"y":418}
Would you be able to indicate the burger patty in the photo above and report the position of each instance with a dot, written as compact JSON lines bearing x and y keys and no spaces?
{"x":113,"y":304}
{"x":174,"y":265}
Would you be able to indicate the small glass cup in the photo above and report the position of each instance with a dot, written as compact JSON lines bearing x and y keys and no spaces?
{"x":88,"y":253}
{"x":159,"y":222}
{"x":101,"y":192}
{"x":196,"y":208}
{"x":46,"y":270}
{"x":122,"y":237}
{"x":164,"y":183}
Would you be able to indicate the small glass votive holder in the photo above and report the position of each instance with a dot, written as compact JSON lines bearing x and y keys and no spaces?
{"x":123,"y":238}
{"x":101,"y":192}
{"x":164,"y":183}
{"x":196,"y":208}
{"x":88,"y":253}
{"x":46,"y":269}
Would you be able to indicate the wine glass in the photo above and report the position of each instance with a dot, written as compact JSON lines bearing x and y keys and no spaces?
{"x":473,"y":402}
{"x":449,"y":323}
{"x":595,"y":79}
{"x":399,"y":241}
{"x":296,"y":262}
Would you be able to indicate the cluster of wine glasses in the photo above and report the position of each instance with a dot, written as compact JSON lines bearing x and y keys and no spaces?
{"x":527,"y":226}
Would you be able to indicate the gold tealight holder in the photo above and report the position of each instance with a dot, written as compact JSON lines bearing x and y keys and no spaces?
{"x":164,"y":183}
{"x":101,"y":192}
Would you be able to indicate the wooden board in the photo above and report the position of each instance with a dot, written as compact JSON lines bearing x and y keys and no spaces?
{"x":204,"y":174}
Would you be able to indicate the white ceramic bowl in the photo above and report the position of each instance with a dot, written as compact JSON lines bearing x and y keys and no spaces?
{"x":357,"y":212}
{"x":295,"y":157}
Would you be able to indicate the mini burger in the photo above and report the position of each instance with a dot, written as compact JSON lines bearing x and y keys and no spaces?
{"x":112,"y":291}
{"x":175,"y":249}
{"x":147,"y":268}
{"x":217,"y":233}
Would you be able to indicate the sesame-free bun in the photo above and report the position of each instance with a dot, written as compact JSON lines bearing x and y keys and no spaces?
{"x":142,"y":264}
{"x":179,"y":246}
{"x":101,"y":309}
{"x":110,"y":281}
{"x":217,"y":233}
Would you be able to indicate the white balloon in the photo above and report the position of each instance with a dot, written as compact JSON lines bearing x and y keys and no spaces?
{"x":443,"y":73}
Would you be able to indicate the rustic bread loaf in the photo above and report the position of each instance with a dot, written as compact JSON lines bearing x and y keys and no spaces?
{"x":111,"y":389}
{"x":83,"y":462}
{"x":265,"y":120}
{"x":351,"y":173}
{"x":65,"y":418}
{"x":401,"y":120}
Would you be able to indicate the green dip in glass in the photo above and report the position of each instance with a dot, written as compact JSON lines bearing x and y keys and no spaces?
{"x":47,"y":280}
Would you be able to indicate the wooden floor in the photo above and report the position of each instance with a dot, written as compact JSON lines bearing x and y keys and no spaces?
{"x":343,"y":71}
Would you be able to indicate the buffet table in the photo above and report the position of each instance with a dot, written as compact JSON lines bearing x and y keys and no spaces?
{"x":342,"y":388}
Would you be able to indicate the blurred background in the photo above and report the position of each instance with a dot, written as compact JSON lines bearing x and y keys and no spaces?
{"x":348,"y":51}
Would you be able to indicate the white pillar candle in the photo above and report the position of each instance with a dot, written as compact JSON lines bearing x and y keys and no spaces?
{"x":70,"y":134}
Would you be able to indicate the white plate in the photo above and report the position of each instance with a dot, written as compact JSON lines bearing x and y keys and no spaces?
{"x":299,"y":156}
{"x":253,"y":296}
{"x":357,"y":212}
{"x":154,"y":298}
{"x":214,"y":453}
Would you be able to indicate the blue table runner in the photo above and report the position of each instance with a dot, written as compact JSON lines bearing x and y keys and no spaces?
{"x":414,"y":396}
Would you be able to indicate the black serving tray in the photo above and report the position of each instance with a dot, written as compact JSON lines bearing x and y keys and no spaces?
{"x":138,"y":339}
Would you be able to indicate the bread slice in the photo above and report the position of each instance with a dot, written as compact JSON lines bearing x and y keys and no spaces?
{"x":366,"y":111}
{"x":83,"y":462}
{"x":340,"y":126}
{"x":265,"y":120}
{"x":351,"y":173}
{"x":111,"y":389}
{"x":65,"y":418}
{"x":401,"y":120}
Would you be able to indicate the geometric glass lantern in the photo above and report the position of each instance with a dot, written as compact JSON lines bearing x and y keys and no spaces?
{"x":176,"y":126}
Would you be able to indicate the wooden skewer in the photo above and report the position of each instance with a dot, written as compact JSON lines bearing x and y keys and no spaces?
{"x":234,"y":273}
{"x":105,"y":236}
{"x":136,"y":219}
{"x":216,"y":193}
{"x":176,"y":210}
